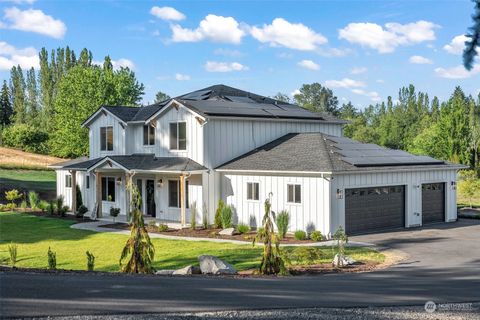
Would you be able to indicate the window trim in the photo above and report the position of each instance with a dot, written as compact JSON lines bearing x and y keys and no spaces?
{"x":106,"y":138}
{"x":187,"y":206}
{"x":294,"y":202}
{"x":177,"y":149}
{"x":106,"y":189}
{"x":150,"y":135}
{"x":68,"y":181}
{"x":257,"y":193}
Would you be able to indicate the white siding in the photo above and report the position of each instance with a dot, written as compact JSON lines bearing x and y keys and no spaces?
{"x":412,"y":180}
{"x":106,"y":120}
{"x":67,"y":192}
{"x":313,"y":213}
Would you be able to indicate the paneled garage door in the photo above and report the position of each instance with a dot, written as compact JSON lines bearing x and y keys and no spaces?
{"x":433,"y":202}
{"x":372,"y":209}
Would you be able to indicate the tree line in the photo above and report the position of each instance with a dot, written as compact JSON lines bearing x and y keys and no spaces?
{"x":42,"y":111}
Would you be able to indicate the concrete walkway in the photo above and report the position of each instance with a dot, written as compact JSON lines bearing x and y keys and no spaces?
{"x":96,"y":226}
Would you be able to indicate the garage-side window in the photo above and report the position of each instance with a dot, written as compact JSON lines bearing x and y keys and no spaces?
{"x":294,"y":193}
{"x":68,"y":181}
{"x":253,"y":191}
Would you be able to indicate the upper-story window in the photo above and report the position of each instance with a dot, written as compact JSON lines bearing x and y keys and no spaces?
{"x":178,"y":136}
{"x":148,"y":135}
{"x":106,"y":138}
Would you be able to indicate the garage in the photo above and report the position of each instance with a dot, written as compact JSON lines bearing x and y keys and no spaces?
{"x":433,"y":202}
{"x":374,"y":208}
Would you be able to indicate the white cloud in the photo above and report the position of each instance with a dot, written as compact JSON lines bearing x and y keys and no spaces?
{"x":334,"y":52}
{"x":358,"y":70}
{"x":373,"y":95}
{"x":167,"y":13}
{"x":309,"y":64}
{"x":228,"y":52}
{"x":295,"y":92}
{"x":380,"y":81}
{"x":11,"y":56}
{"x":181,"y":77}
{"x":34,"y":21}
{"x":419,"y":60}
{"x":458,"y":72}
{"x":344,"y":83}
{"x":385,"y":40}
{"x":213,"y":28}
{"x":457,"y":45}
{"x":214,"y":66}
{"x":282,"y":33}
{"x":117,"y":64}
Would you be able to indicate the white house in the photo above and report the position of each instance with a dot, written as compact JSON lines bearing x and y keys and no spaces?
{"x":224,"y":143}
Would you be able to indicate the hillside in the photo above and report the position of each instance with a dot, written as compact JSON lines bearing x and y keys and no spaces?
{"x":13,"y":158}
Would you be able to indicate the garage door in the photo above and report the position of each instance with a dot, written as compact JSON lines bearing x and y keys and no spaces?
{"x":433,"y":202}
{"x":372,"y":209}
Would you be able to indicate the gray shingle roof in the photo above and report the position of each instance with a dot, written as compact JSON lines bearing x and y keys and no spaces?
{"x":225,"y":101}
{"x":310,"y":152}
{"x":136,"y":162}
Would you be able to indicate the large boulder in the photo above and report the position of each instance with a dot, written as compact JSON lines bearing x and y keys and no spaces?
{"x":213,"y":265}
{"x":342,"y":261}
{"x":188,"y":270}
{"x":227,"y":232}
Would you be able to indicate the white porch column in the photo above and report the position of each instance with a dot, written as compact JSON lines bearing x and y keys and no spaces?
{"x":98,"y":192}
{"x":182,"y":201}
{"x":73,"y":174}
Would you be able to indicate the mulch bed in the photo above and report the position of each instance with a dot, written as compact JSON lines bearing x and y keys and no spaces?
{"x":204,"y":233}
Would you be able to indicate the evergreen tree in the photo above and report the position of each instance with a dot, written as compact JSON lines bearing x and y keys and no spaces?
{"x":161,"y":96}
{"x":18,"y":95}
{"x":6,"y":110}
{"x":282,"y":97}
{"x":317,"y":98}
{"x":473,"y":43}
{"x":32,"y":98}
{"x":46,"y":85}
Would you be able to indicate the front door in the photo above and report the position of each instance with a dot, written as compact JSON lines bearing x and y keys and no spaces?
{"x":150,"y":199}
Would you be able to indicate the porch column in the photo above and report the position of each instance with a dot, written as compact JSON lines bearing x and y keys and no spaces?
{"x":98,"y":193}
{"x":74,"y":190}
{"x":182,"y":201}
{"x":128,"y":194}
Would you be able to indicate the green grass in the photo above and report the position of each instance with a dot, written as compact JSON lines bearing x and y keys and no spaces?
{"x":35,"y":234}
{"x":29,"y":179}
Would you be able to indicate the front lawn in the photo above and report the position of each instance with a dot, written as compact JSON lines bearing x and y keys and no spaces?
{"x":34,"y":235}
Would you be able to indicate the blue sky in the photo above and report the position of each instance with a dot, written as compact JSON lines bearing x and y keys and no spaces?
{"x":363,"y":50}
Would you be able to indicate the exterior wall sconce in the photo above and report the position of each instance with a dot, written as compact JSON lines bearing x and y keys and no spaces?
{"x":339,"y":194}
{"x":119,"y":180}
{"x":160,"y":183}
{"x":453,"y":184}
{"x":417,"y":186}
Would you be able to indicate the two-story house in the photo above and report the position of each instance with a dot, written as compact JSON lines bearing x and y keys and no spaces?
{"x":225,"y":143}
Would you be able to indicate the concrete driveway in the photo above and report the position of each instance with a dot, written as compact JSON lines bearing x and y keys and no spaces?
{"x":443,"y":266}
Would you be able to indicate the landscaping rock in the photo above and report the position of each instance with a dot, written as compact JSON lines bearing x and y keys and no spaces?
{"x":165,"y":272}
{"x":187,"y":271}
{"x":342,"y":261}
{"x":213,"y":265}
{"x":227,"y":232}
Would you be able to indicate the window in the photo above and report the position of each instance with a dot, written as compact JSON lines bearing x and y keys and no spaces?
{"x":87,"y":182}
{"x":294,"y":193}
{"x":106,"y":138}
{"x":68,"y":181}
{"x":178,"y":136}
{"x":252,"y":190}
{"x":148,"y":135}
{"x":108,"y":189}
{"x":174,"y":193}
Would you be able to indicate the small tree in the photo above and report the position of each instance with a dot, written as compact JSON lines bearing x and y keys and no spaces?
{"x":139,"y":250}
{"x":52,"y":259}
{"x":218,"y":214}
{"x":78,"y":194}
{"x":341,"y":239}
{"x":272,"y":262}
{"x":226,"y":217}
{"x":90,"y":261}
{"x":205,"y":217}
{"x":282,"y":221}
{"x":193,"y":215}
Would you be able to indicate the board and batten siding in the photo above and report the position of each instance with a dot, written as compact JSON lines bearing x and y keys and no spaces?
{"x":313,"y":213}
{"x":106,"y":120}
{"x":62,"y":190}
{"x":162,"y":136}
{"x":412,"y":180}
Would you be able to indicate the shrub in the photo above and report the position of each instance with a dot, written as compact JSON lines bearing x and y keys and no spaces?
{"x":243,"y":228}
{"x":51,"y":208}
{"x":300,"y":235}
{"x":162,"y":227}
{"x":90,"y":261}
{"x":12,"y":195}
{"x":3,"y":207}
{"x":26,"y":137}
{"x":282,"y":221}
{"x":12,"y":251}
{"x":193,"y":215}
{"x":218,"y":214}
{"x":34,"y":200}
{"x":303,"y":255}
{"x":63,"y":211}
{"x":341,"y":239}
{"x":52,"y":259}
{"x":316,"y":236}
{"x":226,"y":217}
{"x":78,"y":195}
{"x":205,"y":217}
{"x":23,"y":204}
{"x":59,"y":205}
{"x":81,"y":211}
{"x":114,"y":212}
{"x":43,"y":205}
